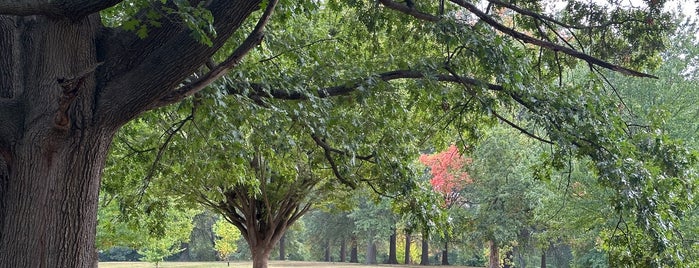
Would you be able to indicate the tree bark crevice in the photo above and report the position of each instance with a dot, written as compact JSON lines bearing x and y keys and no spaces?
{"x":73,"y":9}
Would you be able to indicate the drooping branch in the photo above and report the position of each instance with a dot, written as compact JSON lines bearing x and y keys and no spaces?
{"x":548,"y":45}
{"x":253,"y":40}
{"x":544,"y":17}
{"x":66,"y":8}
{"x":468,"y":84}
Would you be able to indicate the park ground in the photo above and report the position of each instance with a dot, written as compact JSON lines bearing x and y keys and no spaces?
{"x":272,"y":264}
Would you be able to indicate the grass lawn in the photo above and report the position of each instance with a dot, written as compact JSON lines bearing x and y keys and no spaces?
{"x":272,"y":264}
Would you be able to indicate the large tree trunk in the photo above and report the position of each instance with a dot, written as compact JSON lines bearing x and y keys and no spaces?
{"x":260,"y":255}
{"x":407,"y":247}
{"x":66,"y":85}
{"x":53,"y":156}
{"x":494,"y":257}
{"x":51,"y":203}
{"x":392,"y":248}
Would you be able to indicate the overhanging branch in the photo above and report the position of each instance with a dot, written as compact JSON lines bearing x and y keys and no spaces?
{"x":262,"y":91}
{"x":548,"y":45}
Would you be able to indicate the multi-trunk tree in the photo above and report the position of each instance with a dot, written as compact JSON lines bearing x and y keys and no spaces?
{"x":71,"y":80}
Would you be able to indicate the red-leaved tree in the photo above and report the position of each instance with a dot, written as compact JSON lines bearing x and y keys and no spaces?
{"x":448,"y":179}
{"x":448,"y":174}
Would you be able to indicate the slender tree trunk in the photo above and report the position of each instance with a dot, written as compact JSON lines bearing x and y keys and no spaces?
{"x":425,"y":256}
{"x":354,"y":250}
{"x":282,"y":248}
{"x":407,"y":247}
{"x":519,"y":253}
{"x":445,"y":253}
{"x":371,"y":252}
{"x":392,"y":248}
{"x":343,"y":251}
{"x":327,"y":250}
{"x":543,"y":259}
{"x":494,"y":257}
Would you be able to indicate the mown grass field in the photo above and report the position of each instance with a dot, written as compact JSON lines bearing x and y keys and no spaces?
{"x":272,"y":264}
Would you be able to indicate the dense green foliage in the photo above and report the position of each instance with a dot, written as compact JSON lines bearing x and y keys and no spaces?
{"x":345,"y":94}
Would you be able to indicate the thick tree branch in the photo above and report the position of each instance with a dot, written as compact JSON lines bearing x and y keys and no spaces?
{"x":262,"y":91}
{"x":66,"y":8}
{"x":548,"y":45}
{"x":138,"y":73}
{"x":252,"y":41}
{"x":409,"y":10}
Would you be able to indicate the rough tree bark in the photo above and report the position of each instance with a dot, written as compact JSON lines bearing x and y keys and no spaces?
{"x":67,"y":83}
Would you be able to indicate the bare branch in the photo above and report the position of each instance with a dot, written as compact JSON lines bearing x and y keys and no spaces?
{"x":409,"y":10}
{"x":548,"y":45}
{"x":69,"y":9}
{"x":544,"y":17}
{"x":253,"y":40}
{"x":297,"y":48}
{"x":161,"y":151}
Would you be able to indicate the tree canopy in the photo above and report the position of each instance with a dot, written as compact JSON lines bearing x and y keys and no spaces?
{"x":359,"y":87}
